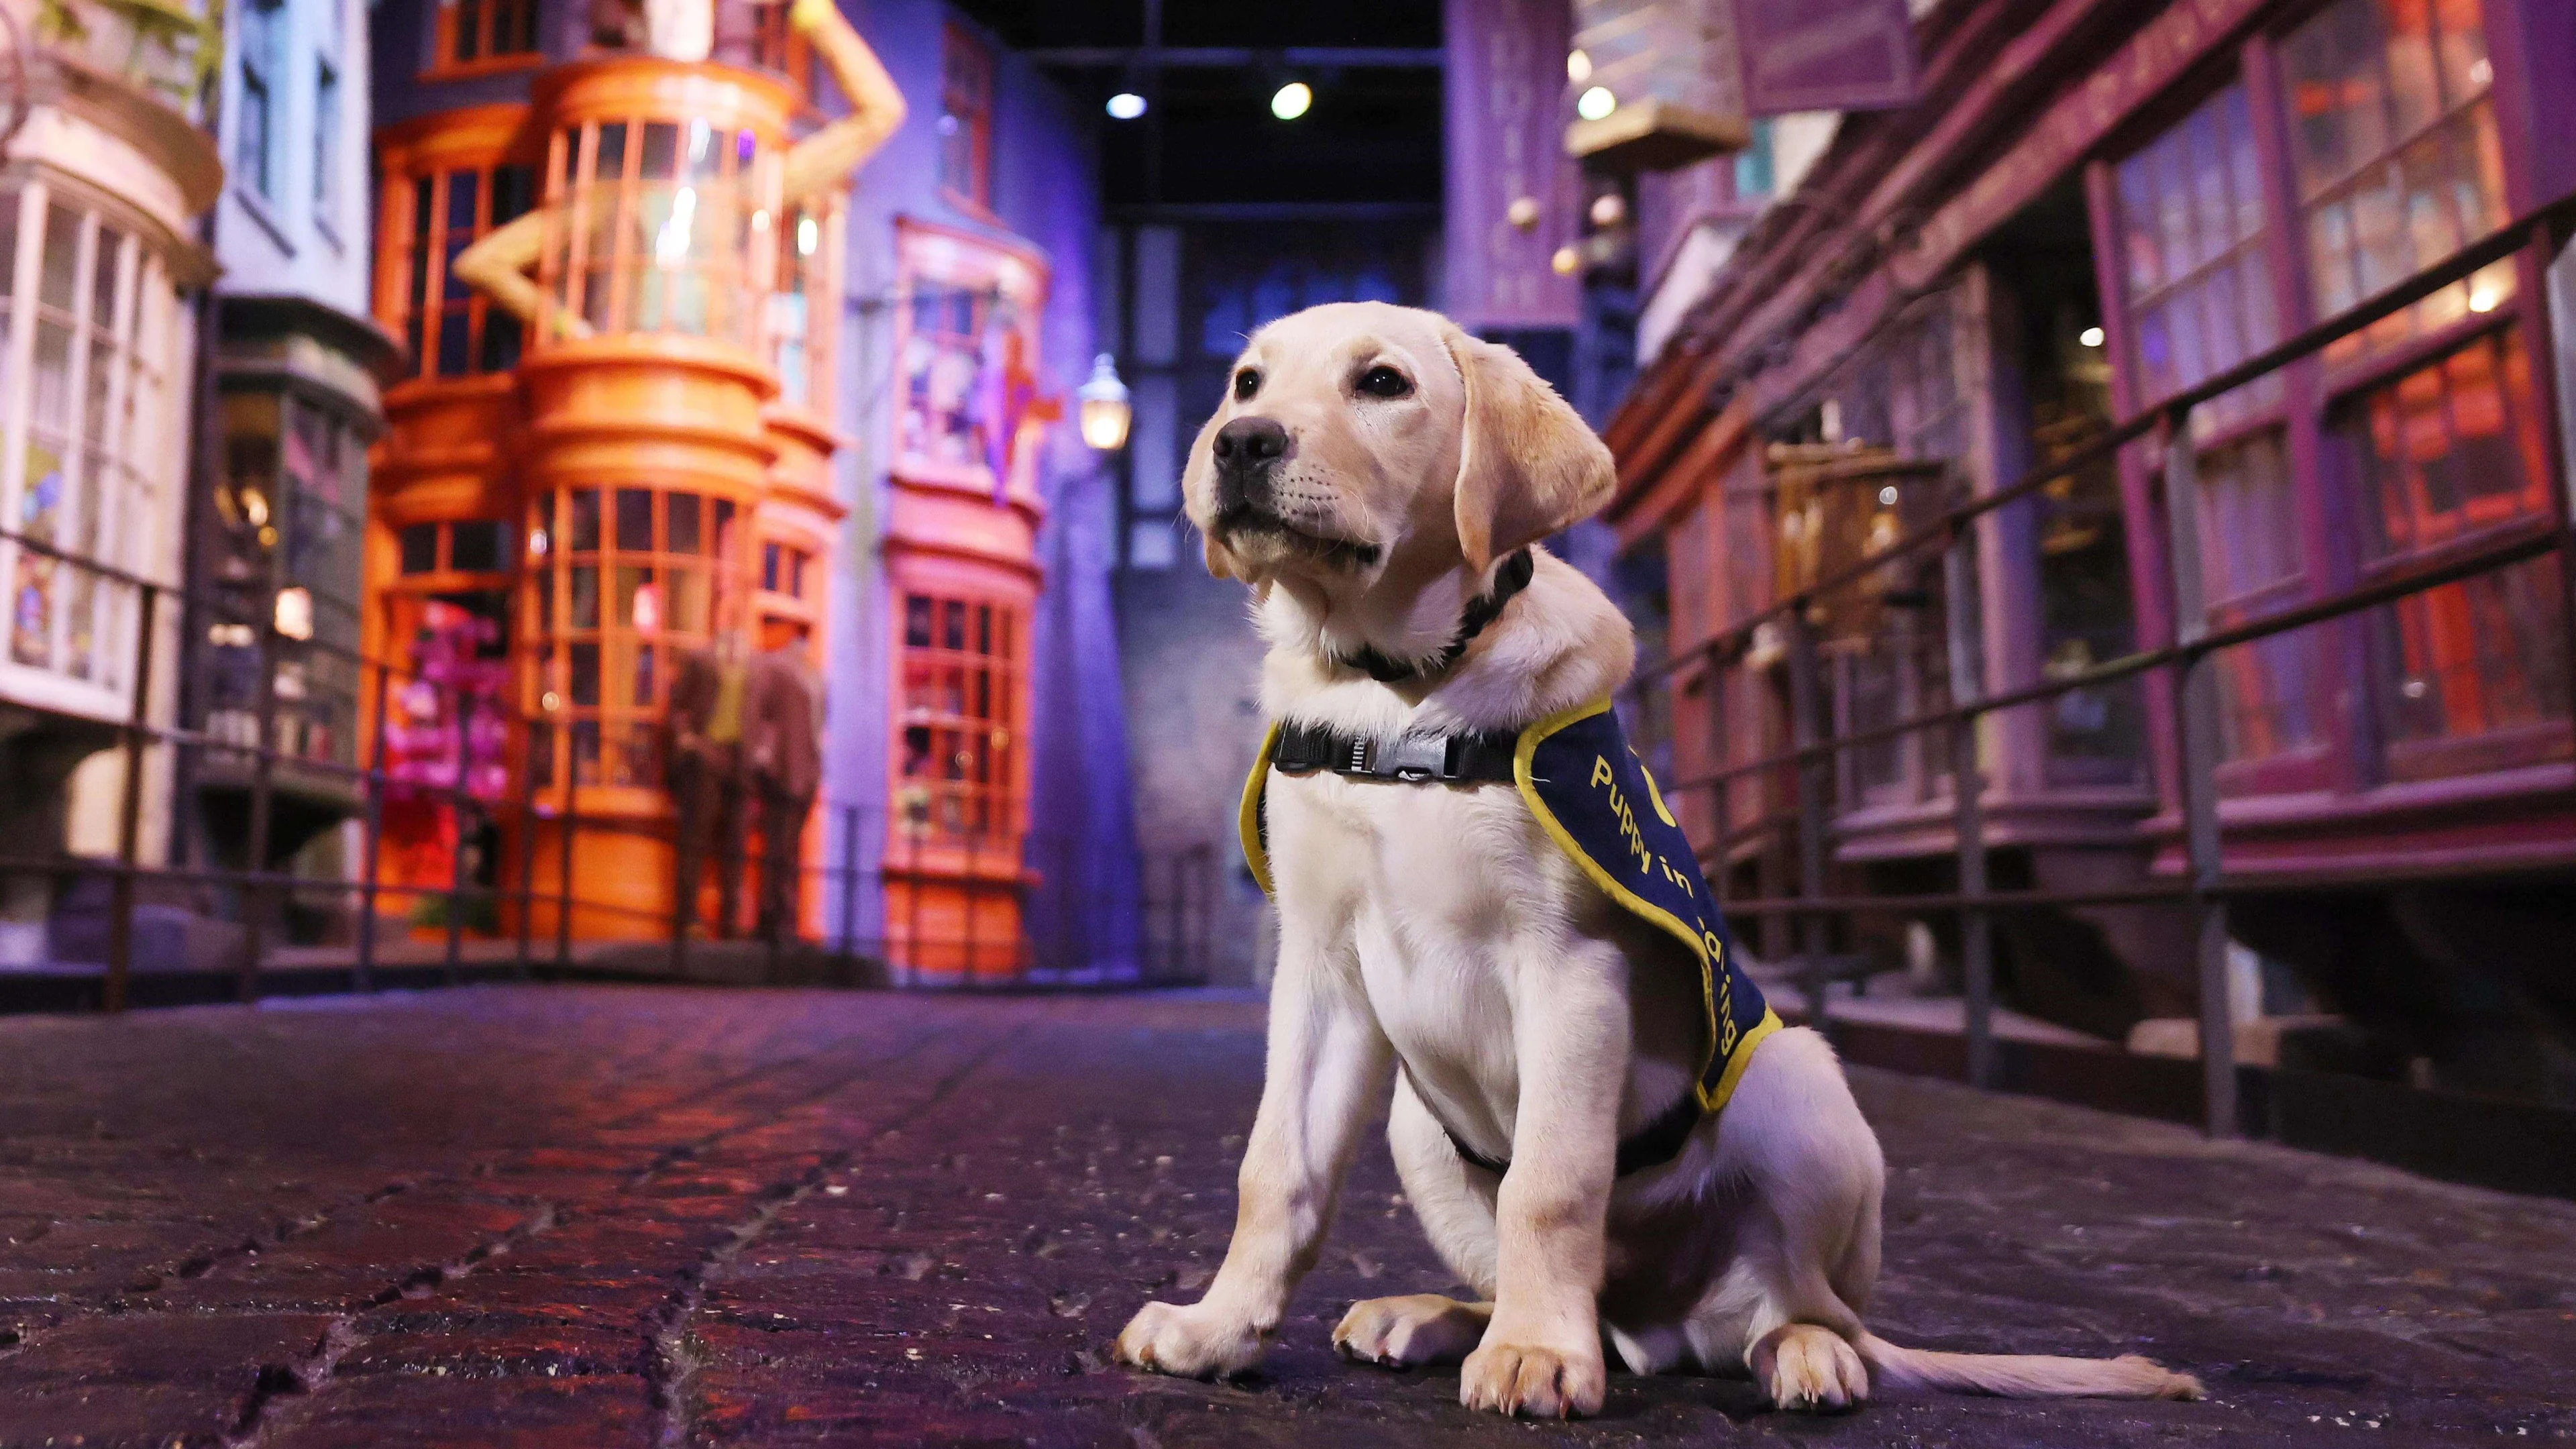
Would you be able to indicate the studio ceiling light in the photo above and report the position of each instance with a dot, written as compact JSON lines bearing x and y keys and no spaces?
{"x":1292,"y":100}
{"x":1126,"y":106}
{"x":1596,"y":103}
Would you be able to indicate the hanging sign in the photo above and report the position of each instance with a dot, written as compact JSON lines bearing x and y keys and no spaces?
{"x":1512,"y":195}
{"x":1824,"y":55}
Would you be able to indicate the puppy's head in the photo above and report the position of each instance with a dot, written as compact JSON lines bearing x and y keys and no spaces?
{"x":1360,"y":442}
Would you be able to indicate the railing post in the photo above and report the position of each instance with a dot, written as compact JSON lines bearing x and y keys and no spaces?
{"x":129,"y":812}
{"x":564,"y":764}
{"x":362,"y":978}
{"x":254,"y":895}
{"x":527,"y":840}
{"x":849,"y":886}
{"x":912,"y":906}
{"x":2196,"y":735}
{"x":460,"y":800}
{"x":972,"y":889}
{"x":1968,"y":806}
{"x":1712,"y":685}
{"x":1806,"y":726}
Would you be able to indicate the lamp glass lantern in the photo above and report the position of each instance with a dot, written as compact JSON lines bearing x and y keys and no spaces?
{"x":1105,"y":411}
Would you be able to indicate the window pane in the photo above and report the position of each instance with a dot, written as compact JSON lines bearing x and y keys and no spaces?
{"x":419,"y":548}
{"x":585,"y":521}
{"x":585,"y":673}
{"x":661,"y":151}
{"x":479,"y":546}
{"x":60,"y":273}
{"x":2391,"y":140}
{"x":683,"y":522}
{"x":635,"y":520}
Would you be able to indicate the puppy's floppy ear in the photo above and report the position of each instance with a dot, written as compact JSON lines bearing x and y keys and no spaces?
{"x":1198,"y":488}
{"x":1527,"y":465}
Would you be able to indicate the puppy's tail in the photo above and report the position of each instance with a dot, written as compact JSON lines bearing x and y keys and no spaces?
{"x":2022,"y":1376}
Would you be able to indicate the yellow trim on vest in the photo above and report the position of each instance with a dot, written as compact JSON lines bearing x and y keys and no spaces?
{"x":1680,"y":930}
{"x":1247,"y":823}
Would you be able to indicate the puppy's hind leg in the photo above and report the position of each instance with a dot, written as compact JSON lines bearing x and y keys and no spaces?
{"x":1412,"y":1331}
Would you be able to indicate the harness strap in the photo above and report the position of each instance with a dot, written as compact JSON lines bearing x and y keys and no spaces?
{"x":1413,"y":759}
{"x":1653,"y":1145}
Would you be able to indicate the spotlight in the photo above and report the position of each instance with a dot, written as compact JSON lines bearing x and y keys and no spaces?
{"x":1608,"y":209}
{"x":1595,"y":103}
{"x":1578,"y":66}
{"x":1565,"y":262}
{"x":2090,"y":336}
{"x":1292,"y":100}
{"x":1126,"y":106}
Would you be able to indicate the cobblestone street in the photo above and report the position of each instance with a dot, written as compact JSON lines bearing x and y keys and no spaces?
{"x":606,"y":1216}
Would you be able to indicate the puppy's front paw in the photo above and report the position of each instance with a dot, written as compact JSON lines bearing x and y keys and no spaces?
{"x":1544,"y":1383}
{"x":1408,"y":1332}
{"x":1193,"y":1342}
{"x":1808,"y":1367}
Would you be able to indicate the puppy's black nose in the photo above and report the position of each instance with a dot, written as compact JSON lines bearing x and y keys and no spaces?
{"x":1250,"y":442}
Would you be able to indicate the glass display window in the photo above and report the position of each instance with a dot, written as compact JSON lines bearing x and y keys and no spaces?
{"x":475,"y":34}
{"x":803,"y":309}
{"x":966,"y":357}
{"x":85,"y":416}
{"x":450,"y":328}
{"x":964,"y":678}
{"x":661,"y":216}
{"x":619,"y":581}
{"x":965,"y":123}
{"x":2452,"y":452}
{"x":2198,"y":284}
{"x":2395,"y":157}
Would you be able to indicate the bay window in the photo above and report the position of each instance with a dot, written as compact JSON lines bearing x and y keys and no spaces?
{"x":2394,"y":152}
{"x":86,"y":319}
{"x":2451,"y":452}
{"x":2200,"y":298}
{"x":963,"y":679}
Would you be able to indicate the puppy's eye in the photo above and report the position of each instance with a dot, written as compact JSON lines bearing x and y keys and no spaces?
{"x":1246,"y":383}
{"x":1384,"y":382}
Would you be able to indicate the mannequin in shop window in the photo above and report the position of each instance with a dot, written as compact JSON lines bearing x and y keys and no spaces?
{"x":709,"y":773}
{"x":784,"y":745}
{"x":684,"y":30}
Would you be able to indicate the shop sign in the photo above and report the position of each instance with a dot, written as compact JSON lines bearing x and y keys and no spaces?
{"x":1824,"y":55}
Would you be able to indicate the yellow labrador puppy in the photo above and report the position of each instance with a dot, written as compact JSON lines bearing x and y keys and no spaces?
{"x":1379,"y":478}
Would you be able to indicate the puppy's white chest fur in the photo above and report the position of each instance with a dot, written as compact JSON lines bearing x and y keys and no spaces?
{"x":1448,"y":902}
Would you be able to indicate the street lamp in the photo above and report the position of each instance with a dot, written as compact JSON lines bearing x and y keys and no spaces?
{"x":1105,"y":413}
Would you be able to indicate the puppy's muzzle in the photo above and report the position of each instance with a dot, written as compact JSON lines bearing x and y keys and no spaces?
{"x":1248,"y":452}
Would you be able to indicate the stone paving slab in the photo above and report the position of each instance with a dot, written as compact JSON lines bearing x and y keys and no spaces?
{"x":598,"y":1216}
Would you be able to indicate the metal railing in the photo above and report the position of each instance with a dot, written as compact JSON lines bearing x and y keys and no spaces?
{"x":2194,"y":721}
{"x":981,"y":869}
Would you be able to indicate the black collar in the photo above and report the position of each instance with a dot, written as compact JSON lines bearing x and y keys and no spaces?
{"x":1512,"y":577}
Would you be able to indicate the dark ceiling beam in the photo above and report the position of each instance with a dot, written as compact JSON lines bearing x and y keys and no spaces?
{"x":1229,"y":57}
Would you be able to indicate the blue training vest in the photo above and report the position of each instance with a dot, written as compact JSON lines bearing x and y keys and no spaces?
{"x":1594,"y":798}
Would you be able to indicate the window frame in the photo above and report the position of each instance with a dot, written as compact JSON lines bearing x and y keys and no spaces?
{"x":255,"y":129}
{"x":993,"y":807}
{"x":2326,"y":479}
{"x":964,"y":57}
{"x":449,"y":29}
{"x":127,"y":534}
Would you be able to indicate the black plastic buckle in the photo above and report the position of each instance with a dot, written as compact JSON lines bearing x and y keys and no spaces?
{"x":1414,"y":759}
